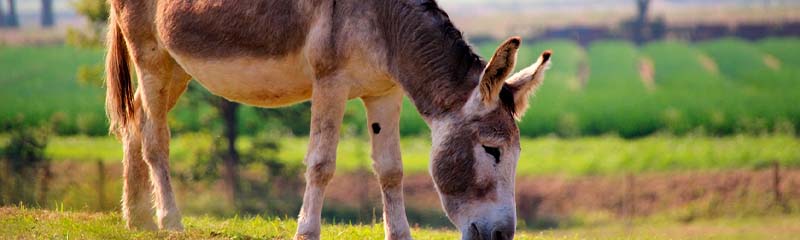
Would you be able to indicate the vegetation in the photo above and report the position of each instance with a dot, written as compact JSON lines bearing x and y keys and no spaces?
{"x":23,"y":223}
{"x":21,"y":162}
{"x":720,"y":87}
{"x":601,"y":155}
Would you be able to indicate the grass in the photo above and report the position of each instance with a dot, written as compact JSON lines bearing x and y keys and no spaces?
{"x":24,"y":223}
{"x":39,"y":86}
{"x":600,"y":155}
{"x":21,"y":223}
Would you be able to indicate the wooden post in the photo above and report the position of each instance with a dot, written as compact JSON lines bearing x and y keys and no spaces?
{"x":776,"y":183}
{"x":628,"y":202}
{"x":101,"y":185}
{"x":44,"y":183}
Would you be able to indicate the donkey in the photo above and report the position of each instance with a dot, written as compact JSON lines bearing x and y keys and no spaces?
{"x":273,"y":53}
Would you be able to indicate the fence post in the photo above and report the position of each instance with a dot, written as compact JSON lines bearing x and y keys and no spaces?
{"x":101,"y":185}
{"x":628,"y":200}
{"x":776,"y":183}
{"x":44,"y":184}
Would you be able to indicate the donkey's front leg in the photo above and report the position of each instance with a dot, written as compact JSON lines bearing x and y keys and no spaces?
{"x":327,"y":110}
{"x":383,"y":116}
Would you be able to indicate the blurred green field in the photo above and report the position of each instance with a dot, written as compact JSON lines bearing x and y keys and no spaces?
{"x":720,"y":87}
{"x":601,"y":155}
{"x":22,"y":223}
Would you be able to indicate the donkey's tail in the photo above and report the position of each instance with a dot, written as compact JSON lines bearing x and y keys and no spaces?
{"x":119,"y":87}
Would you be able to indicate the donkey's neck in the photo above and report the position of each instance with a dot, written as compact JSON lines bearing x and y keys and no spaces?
{"x":428,"y":56}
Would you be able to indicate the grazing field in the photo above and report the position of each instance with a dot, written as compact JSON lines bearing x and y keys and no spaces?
{"x":22,"y":223}
{"x":719,"y":87}
{"x":601,"y":155}
{"x":39,"y":87}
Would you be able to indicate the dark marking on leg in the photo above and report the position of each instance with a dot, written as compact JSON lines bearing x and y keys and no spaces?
{"x":376,"y":128}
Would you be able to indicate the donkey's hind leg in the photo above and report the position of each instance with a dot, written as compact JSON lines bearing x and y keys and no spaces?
{"x":161,"y":82}
{"x":383,"y":116}
{"x":137,"y":206}
{"x":137,"y":200}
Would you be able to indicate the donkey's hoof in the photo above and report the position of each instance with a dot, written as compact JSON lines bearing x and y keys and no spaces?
{"x":151,"y":226}
{"x":399,"y":236}
{"x":172,"y":225}
{"x":306,"y":236}
{"x":142,"y":224}
{"x":178,"y":227}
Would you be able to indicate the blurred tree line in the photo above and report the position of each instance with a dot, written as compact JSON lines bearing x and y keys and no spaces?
{"x":11,"y":19}
{"x":641,"y":27}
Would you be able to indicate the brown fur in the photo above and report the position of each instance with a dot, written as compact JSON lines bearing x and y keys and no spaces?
{"x":453,"y":167}
{"x":426,"y":52}
{"x":119,"y":86}
{"x":498,"y":69}
{"x":226,"y":28}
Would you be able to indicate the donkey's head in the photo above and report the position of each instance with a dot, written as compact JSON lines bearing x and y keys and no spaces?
{"x":475,"y":151}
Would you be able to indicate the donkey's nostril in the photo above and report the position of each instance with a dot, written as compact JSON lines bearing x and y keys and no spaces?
{"x":498,"y":235}
{"x":503,"y":233}
{"x":473,"y":231}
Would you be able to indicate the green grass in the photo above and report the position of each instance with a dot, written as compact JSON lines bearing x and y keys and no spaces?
{"x":722,"y":87}
{"x":37,"y":224}
{"x":23,"y":223}
{"x":39,"y":85}
{"x":602,"y":155}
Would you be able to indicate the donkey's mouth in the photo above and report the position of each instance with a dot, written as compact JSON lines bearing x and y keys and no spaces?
{"x":475,"y":233}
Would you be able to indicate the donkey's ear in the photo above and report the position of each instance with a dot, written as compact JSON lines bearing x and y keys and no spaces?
{"x":500,"y":66}
{"x":526,"y":81}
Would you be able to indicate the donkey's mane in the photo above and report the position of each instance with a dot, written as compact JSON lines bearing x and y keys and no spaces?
{"x":428,"y":55}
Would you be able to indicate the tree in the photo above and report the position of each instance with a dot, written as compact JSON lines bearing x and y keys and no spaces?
{"x":640,"y":28}
{"x":96,"y":14}
{"x":640,"y":22}
{"x":229,"y":111}
{"x":47,"y":13}
{"x":12,"y":20}
{"x":2,"y":15}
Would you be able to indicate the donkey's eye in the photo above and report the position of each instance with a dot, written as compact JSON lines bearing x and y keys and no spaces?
{"x":495,"y":152}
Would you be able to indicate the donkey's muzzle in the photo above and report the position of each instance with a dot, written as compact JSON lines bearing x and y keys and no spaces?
{"x":490,"y":232}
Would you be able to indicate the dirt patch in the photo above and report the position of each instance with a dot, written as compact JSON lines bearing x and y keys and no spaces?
{"x":356,"y":195}
{"x":708,"y":64}
{"x":647,"y":73}
{"x":772,"y":62}
{"x":638,"y":195}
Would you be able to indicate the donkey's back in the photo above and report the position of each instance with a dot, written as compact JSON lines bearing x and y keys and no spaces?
{"x":263,"y":53}
{"x":234,"y":28}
